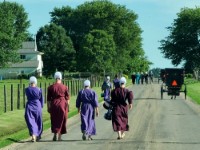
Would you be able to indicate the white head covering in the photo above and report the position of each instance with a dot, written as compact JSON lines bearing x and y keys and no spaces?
{"x":58,"y":75}
{"x":32,"y":79}
{"x":122,"y":80}
{"x":86,"y":83}
{"x":108,"y":77}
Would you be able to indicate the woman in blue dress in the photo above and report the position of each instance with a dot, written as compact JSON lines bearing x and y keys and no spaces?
{"x":106,"y":88}
{"x":87,"y":105}
{"x":33,"y":111}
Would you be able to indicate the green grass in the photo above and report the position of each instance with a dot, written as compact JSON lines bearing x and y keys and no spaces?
{"x":193,"y":91}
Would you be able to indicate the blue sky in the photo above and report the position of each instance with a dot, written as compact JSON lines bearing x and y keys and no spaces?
{"x":153,"y":17}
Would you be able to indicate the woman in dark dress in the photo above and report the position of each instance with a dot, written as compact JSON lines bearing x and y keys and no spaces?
{"x":57,"y":105}
{"x":121,"y":99}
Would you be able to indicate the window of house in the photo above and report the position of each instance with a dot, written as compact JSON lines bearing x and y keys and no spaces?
{"x":22,"y":56}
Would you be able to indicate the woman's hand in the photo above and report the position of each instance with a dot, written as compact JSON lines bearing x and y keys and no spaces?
{"x":97,"y":111}
{"x":68,"y":102}
{"x":79,"y":110}
{"x":130,"y":106}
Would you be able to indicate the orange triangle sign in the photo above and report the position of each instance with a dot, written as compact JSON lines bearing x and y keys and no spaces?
{"x":174,"y":83}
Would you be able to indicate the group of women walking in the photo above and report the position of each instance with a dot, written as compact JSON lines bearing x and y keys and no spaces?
{"x":58,"y":100}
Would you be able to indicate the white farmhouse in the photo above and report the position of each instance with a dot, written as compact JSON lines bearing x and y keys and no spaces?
{"x":31,"y":64}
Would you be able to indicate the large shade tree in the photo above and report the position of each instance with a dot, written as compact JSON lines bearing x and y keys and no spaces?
{"x":115,"y":20}
{"x":59,"y":53}
{"x":182,"y":45}
{"x":13,"y":31}
{"x":96,"y":52}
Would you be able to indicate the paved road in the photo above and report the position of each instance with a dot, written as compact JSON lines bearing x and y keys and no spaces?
{"x":155,"y":124}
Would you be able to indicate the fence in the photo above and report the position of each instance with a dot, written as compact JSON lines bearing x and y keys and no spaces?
{"x":14,"y":98}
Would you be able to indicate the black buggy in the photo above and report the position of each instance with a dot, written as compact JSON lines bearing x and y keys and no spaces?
{"x":173,"y":81}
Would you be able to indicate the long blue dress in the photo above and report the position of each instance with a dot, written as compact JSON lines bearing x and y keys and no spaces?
{"x":106,"y":87}
{"x":87,"y":100}
{"x":33,"y":111}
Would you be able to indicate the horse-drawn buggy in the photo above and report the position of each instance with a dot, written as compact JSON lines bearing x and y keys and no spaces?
{"x":173,"y":81}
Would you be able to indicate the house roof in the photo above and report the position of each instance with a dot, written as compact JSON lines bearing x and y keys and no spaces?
{"x":26,"y":64}
{"x":29,"y":48}
{"x":29,"y":45}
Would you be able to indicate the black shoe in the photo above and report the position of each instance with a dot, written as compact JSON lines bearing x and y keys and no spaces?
{"x":55,"y":138}
{"x":84,"y":136}
{"x":38,"y":138}
{"x":90,"y":138}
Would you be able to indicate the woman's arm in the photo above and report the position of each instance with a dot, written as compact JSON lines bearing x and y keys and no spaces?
{"x":78,"y":102}
{"x":97,"y":111}
{"x":130,"y":99}
{"x":41,"y":98}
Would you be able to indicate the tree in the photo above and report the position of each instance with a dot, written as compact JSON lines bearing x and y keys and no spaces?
{"x":13,"y":31}
{"x":96,"y":52}
{"x":30,"y":37}
{"x":182,"y":45}
{"x":58,"y":49}
{"x":139,"y":64}
{"x":156,"y":72}
{"x":114,"y":20}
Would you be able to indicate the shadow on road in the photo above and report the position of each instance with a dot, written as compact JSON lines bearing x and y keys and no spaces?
{"x":152,"y":98}
{"x":143,"y":99}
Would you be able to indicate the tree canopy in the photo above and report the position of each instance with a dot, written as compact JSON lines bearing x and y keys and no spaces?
{"x":96,"y":52}
{"x":59,"y":53}
{"x":106,"y":34}
{"x":182,"y":45}
{"x":13,"y":31}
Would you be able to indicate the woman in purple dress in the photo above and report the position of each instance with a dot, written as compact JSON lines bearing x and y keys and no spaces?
{"x":33,"y":111}
{"x":119,"y":98}
{"x":87,"y":105}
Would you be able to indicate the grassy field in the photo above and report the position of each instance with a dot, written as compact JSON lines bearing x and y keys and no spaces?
{"x":194,"y":91}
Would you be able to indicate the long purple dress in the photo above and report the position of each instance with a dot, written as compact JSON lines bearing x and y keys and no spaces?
{"x":33,"y":111}
{"x":87,"y":100}
{"x":119,"y":96}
